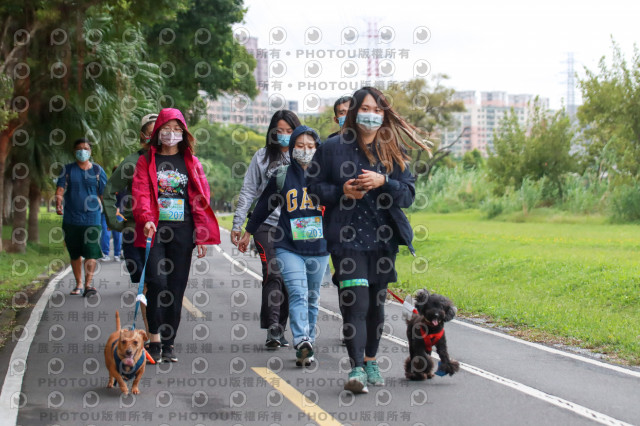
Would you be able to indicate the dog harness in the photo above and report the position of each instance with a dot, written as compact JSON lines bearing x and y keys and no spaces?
{"x":431,"y":339}
{"x":131,"y":374}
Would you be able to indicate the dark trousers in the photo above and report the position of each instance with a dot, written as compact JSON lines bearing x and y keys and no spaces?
{"x":275,"y":301}
{"x":166,"y":276}
{"x":134,"y":256}
{"x":363,"y":278}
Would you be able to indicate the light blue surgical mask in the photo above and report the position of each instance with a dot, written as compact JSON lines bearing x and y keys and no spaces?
{"x":283,"y":140}
{"x":83,"y":155}
{"x":341,"y":120}
{"x":369,"y":120}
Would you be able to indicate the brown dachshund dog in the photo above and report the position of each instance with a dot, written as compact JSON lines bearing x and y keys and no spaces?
{"x":124,"y":357}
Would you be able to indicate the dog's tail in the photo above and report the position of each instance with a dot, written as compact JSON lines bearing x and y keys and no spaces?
{"x":118,"y":321}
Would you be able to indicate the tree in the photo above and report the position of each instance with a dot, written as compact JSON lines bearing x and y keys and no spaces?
{"x":87,"y":69}
{"x":197,"y":52}
{"x":543,"y":151}
{"x":610,"y":116}
{"x":472,"y":160}
{"x":505,"y":162}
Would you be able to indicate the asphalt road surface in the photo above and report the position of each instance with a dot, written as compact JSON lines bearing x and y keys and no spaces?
{"x":56,"y":373}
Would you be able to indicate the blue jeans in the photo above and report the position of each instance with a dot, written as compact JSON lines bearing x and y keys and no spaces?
{"x":117,"y":242}
{"x":105,"y":237}
{"x":302,"y":277}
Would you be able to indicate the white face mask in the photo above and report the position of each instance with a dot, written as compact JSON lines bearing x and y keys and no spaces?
{"x":303,"y":156}
{"x":170,"y":138}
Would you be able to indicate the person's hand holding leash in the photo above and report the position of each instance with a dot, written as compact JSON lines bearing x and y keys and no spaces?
{"x":149,"y":229}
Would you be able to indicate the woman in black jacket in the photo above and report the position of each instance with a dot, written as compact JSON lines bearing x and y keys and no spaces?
{"x":362,"y":178}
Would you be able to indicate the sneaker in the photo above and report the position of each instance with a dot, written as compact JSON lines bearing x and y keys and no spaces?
{"x":357,"y":382}
{"x":373,"y":373}
{"x":284,"y":342}
{"x":273,"y":337}
{"x":155,"y":351}
{"x":168,"y":354}
{"x":105,"y":258}
{"x":304,"y":351}
{"x":116,"y":258}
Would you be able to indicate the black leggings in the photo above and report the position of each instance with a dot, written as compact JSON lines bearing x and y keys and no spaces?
{"x":363,"y":279}
{"x":166,"y":276}
{"x":275,"y":300}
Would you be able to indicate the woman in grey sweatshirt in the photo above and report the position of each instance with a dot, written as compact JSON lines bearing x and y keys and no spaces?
{"x":275,"y":307}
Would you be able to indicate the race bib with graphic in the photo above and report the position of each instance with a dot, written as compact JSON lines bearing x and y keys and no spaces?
{"x":306,"y":228}
{"x":171,"y":209}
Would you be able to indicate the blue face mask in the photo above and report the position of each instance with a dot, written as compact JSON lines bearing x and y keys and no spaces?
{"x":83,"y":155}
{"x":283,"y":140}
{"x":369,"y":120}
{"x":341,"y":120}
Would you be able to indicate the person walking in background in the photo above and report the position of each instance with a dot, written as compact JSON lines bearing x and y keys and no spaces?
{"x":340,"y":109}
{"x":117,"y":199}
{"x":274,"y":310}
{"x":172,"y":206}
{"x":363,"y":179}
{"x":301,"y":252}
{"x":81,"y":185}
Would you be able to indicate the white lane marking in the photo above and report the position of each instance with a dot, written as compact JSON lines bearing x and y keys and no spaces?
{"x":186,"y":303}
{"x":551,"y":399}
{"x":554,"y":351}
{"x":12,"y":387}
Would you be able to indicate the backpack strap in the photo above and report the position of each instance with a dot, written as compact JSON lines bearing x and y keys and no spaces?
{"x":281,"y":174}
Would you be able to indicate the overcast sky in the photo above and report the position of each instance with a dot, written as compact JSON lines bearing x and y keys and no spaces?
{"x":512,"y":46}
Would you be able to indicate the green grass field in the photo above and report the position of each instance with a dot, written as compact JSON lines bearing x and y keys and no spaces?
{"x":553,"y":276}
{"x":17,"y":271}
{"x":578,"y":282}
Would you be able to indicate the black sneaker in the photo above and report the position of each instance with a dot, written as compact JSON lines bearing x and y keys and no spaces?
{"x":273,"y":337}
{"x":168,"y":353}
{"x":284,"y":342}
{"x":155,"y":351}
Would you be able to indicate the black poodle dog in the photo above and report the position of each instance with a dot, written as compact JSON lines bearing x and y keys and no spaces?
{"x":425,"y":330}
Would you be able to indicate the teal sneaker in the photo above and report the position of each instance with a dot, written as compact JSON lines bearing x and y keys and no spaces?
{"x":373,"y":373}
{"x":304,"y":353}
{"x":357,"y":382}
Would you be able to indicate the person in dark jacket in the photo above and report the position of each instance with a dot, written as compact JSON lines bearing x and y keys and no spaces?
{"x":340,"y":108}
{"x":301,"y":252}
{"x":362,"y":178}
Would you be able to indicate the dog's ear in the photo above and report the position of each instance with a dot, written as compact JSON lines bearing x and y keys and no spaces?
{"x":421,"y":297}
{"x":143,"y":334}
{"x":450,"y":312}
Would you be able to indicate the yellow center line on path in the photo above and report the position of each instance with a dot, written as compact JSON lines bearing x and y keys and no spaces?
{"x":305,"y":405}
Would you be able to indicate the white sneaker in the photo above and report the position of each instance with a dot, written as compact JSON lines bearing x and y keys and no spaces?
{"x":116,"y":258}
{"x":105,"y":258}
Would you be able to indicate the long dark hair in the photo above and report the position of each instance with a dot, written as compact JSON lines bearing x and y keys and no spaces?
{"x":391,"y":136}
{"x":272,"y":145}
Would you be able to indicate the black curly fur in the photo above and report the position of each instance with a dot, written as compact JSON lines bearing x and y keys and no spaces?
{"x":433,"y":311}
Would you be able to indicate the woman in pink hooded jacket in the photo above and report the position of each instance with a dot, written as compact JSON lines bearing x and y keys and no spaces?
{"x":171,"y":205}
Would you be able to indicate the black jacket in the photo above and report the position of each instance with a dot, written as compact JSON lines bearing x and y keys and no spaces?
{"x":335,"y":163}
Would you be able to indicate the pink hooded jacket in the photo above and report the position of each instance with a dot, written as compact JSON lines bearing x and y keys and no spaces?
{"x":145,"y":190}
